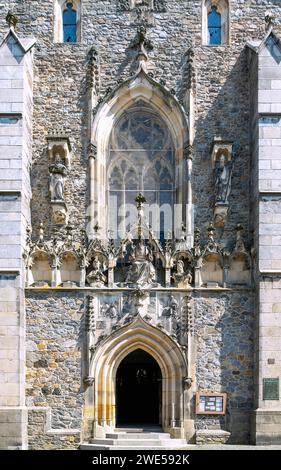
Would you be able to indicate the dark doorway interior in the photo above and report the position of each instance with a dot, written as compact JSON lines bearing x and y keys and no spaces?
{"x":138,"y":390}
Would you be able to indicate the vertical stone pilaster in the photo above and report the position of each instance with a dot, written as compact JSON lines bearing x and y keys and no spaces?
{"x":16,"y":76}
{"x":265,"y":84}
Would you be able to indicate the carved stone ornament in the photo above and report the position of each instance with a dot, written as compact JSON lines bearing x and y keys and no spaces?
{"x":187,"y":382}
{"x":141,"y":272}
{"x":89,"y":381}
{"x":143,"y":45}
{"x":171,"y":308}
{"x":110,"y":310}
{"x":11,"y":19}
{"x":182,"y":278}
{"x":59,"y":144}
{"x":96,"y":278}
{"x":57,"y":177}
{"x":59,"y":213}
{"x":152,"y":5}
{"x":269,"y":19}
{"x":138,"y":262}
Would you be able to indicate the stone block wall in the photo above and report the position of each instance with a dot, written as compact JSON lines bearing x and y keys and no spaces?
{"x":266,"y":196}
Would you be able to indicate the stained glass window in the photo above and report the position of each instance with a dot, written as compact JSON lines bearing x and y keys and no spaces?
{"x":69,"y":24}
{"x":141,"y":159}
{"x":214,"y":27}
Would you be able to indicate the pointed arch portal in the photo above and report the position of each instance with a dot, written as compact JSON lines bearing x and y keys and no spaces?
{"x":163,"y":358}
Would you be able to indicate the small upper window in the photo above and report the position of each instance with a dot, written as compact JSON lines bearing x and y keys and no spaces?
{"x":215,"y":22}
{"x":214,"y":27}
{"x":69,"y":24}
{"x":67,"y":21}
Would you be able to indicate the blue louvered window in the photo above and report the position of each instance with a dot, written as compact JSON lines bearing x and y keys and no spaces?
{"x":214,"y":27}
{"x":69,"y":24}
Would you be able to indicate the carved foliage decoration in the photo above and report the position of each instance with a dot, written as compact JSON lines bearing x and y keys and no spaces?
{"x":93,"y":71}
{"x":90,"y":316}
{"x":187,"y":320}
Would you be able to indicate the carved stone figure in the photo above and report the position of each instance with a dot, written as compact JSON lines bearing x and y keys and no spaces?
{"x":57,"y":175}
{"x":182,"y":278}
{"x":96,"y":278}
{"x":171,"y":308}
{"x":110,"y":310}
{"x":223,"y":172}
{"x":141,"y":272}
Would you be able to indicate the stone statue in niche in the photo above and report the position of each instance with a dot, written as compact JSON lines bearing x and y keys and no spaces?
{"x":141,"y":272}
{"x":170,"y":310}
{"x":96,"y":278}
{"x":57,"y":175}
{"x":181,"y":277}
{"x":110,"y":310}
{"x":223,"y":173}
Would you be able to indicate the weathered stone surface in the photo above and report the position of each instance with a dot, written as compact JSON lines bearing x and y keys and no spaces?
{"x":227,"y":335}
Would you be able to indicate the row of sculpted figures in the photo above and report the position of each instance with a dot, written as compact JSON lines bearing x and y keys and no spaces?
{"x":137,"y":261}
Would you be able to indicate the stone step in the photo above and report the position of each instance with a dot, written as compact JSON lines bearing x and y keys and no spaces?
{"x":138,"y":435}
{"x":139,"y":429}
{"x":104,"y":447}
{"x":137,"y":442}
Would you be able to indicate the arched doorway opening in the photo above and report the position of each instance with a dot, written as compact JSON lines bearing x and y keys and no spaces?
{"x":101,"y":397}
{"x":138,"y":390}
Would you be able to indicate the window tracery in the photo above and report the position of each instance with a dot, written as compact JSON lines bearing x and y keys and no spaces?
{"x":141,"y":159}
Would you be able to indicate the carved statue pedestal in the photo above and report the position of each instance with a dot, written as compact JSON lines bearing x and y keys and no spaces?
{"x":184,"y":284}
{"x":220,"y":214}
{"x":59,"y":212}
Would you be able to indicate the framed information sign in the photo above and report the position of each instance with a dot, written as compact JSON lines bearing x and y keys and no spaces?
{"x":208,"y":403}
{"x":271,"y":389}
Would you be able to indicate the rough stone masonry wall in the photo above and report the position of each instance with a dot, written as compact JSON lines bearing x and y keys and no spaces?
{"x":222,"y":107}
{"x":53,"y":368}
{"x":224,"y":336}
{"x":222,"y":96}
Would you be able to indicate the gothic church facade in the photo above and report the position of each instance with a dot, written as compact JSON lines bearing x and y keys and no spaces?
{"x":140,"y":221}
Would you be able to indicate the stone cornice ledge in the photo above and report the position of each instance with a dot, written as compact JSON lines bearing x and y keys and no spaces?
{"x":271,"y":272}
{"x":268,"y":410}
{"x":124,"y":289}
{"x":10,"y":270}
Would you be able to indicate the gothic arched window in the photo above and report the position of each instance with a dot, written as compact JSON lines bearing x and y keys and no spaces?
{"x":141,"y":159}
{"x":214,"y":26}
{"x":215,"y":22}
{"x":69,"y":23}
